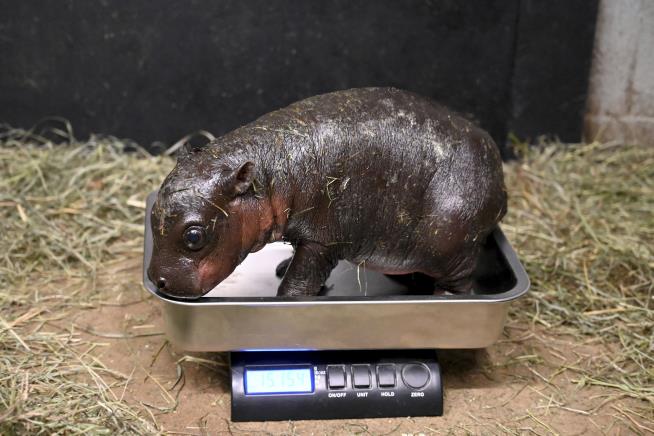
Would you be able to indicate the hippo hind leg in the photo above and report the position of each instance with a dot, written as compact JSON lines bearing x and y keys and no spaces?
{"x":454,"y":286}
{"x":458,"y":278}
{"x":452,"y":258}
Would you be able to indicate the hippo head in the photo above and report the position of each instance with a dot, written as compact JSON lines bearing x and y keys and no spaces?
{"x":205,"y":220}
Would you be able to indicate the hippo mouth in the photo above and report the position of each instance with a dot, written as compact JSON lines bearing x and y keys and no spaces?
{"x":171,"y":294}
{"x":182,"y":297}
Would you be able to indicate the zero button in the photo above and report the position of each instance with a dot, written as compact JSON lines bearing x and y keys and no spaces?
{"x":415,"y":375}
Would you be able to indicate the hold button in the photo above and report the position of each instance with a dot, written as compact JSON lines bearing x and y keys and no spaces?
{"x":386,"y":376}
{"x":415,"y":375}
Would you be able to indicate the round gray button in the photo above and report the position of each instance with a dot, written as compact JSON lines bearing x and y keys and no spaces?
{"x":415,"y":375}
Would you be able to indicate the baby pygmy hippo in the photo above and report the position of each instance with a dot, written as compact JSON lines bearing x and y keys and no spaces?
{"x":384,"y":178}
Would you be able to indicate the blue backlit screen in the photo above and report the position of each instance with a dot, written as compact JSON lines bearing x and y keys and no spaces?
{"x":278,"y":381}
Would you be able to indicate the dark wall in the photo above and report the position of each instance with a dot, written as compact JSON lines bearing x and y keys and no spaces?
{"x":554,"y":46}
{"x":156,"y":70}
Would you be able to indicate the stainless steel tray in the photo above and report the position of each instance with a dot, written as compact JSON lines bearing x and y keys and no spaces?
{"x":360,"y":309}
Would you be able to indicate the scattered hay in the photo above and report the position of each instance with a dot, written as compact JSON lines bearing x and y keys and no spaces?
{"x":581,"y":218}
{"x":65,"y":210}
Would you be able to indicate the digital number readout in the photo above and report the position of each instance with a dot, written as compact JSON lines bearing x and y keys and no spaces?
{"x":278,"y":381}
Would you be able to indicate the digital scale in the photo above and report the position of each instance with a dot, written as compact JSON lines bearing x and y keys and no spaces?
{"x":364,"y":348}
{"x":273,"y":386}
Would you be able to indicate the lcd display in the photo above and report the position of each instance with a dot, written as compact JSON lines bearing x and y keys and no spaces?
{"x":278,"y":381}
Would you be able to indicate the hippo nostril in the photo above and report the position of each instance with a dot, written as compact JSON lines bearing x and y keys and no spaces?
{"x":161,"y":283}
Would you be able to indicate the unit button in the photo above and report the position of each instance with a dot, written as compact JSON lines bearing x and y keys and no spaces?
{"x":386,"y":376}
{"x":361,"y":376}
{"x":336,"y":376}
{"x":415,"y":375}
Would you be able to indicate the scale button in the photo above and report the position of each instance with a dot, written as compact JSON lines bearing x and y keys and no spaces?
{"x":415,"y":375}
{"x":361,"y":376}
{"x":386,"y":376}
{"x":336,"y":376}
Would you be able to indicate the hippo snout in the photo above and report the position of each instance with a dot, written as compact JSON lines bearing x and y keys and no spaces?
{"x":173,"y":285}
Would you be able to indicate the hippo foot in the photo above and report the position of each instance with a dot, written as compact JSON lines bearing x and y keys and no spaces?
{"x":282,"y":267}
{"x":454,"y":287}
{"x":324,"y":289}
{"x":306,"y":271}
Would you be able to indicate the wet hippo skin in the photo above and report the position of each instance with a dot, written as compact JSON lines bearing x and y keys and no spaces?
{"x":384,"y":178}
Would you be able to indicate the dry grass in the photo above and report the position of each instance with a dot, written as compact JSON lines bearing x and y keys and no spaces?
{"x":581,"y":218}
{"x":65,"y":210}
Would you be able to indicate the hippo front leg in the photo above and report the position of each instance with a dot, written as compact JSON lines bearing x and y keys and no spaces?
{"x":308,"y":270}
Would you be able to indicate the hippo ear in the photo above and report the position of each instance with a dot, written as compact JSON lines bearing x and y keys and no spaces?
{"x":184,"y":152}
{"x":187,"y":149}
{"x":240,"y":180}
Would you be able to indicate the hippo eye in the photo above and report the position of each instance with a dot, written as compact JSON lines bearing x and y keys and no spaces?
{"x":195,"y":237}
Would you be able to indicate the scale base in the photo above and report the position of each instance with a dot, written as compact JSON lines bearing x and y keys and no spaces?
{"x":298,"y":385}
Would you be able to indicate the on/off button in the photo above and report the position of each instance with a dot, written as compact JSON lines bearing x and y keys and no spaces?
{"x":336,"y":376}
{"x":415,"y":375}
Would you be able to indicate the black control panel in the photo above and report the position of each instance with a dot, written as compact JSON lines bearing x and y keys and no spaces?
{"x":282,"y":385}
